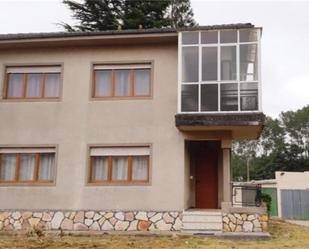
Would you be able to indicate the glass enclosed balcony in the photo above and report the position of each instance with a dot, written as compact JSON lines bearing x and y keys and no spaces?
{"x":219,"y":71}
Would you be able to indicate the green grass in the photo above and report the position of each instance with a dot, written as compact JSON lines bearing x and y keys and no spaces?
{"x":284,"y":235}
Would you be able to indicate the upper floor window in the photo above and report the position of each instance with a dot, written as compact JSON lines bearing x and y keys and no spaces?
{"x":35,"y":82}
{"x":27,"y":165}
{"x":122,"y":80}
{"x":219,"y":70}
{"x":129,"y":165}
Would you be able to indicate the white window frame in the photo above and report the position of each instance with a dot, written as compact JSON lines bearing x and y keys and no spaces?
{"x":219,"y":81}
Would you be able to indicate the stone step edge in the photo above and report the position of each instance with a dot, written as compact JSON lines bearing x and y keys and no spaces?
{"x":200,"y":214}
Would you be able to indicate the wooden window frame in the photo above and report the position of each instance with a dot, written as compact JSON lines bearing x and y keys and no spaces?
{"x":36,"y":170}
{"x":25,"y":84}
{"x":110,"y":181}
{"x":113,"y":68}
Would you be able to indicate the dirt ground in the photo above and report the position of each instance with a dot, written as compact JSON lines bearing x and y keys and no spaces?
{"x":284,"y":235}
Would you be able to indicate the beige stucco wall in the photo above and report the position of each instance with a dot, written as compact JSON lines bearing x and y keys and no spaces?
{"x":76,"y":121}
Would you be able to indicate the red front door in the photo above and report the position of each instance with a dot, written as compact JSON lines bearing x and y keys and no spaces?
{"x":206,"y":175}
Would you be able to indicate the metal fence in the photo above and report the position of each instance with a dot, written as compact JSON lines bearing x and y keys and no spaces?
{"x":246,"y":195}
{"x":295,"y":204}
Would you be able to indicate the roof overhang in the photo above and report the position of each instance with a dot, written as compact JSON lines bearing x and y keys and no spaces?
{"x":241,"y":125}
{"x":109,"y":37}
{"x":90,"y":40}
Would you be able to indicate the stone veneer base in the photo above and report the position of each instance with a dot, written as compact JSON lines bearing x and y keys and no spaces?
{"x":120,"y":221}
{"x":91,"y":220}
{"x":242,"y":222}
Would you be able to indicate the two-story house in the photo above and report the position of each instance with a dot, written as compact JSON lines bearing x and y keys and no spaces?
{"x":127,"y":130}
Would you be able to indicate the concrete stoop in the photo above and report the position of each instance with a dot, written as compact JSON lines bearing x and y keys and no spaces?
{"x":200,"y":222}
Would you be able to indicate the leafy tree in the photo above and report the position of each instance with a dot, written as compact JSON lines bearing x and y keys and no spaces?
{"x":181,"y":14}
{"x":96,"y":15}
{"x":145,"y":13}
{"x":283,"y":145}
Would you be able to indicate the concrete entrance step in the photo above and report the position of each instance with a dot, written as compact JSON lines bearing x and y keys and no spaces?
{"x":202,"y":221}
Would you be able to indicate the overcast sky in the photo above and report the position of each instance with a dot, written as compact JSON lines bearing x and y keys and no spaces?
{"x":285,"y":40}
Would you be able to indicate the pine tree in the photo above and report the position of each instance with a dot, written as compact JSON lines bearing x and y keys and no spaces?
{"x":145,"y":14}
{"x":181,"y":14}
{"x":94,"y":15}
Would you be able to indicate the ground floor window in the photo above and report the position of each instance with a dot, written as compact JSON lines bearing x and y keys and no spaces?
{"x":119,"y":164}
{"x":27,"y":165}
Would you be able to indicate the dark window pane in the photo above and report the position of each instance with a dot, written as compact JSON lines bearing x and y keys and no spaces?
{"x":228,"y":36}
{"x":229,"y":97}
{"x":34,"y":85}
{"x":142,"y":82}
{"x":52,"y":85}
{"x":103,"y":83}
{"x":248,"y":62}
{"x":209,"y":63}
{"x":249,"y":96}
{"x":248,"y":35}
{"x":190,"y":64}
{"x":209,"y":97}
{"x":122,"y":82}
{"x":209,"y":37}
{"x":189,"y":98}
{"x":228,"y":63}
{"x":15,"y":85}
{"x":190,"y":38}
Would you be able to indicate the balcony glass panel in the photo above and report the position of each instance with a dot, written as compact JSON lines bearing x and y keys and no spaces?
{"x":228,"y":63}
{"x":248,"y":35}
{"x":248,"y":62}
{"x":209,"y":63}
{"x":229,"y":97}
{"x":228,"y":36}
{"x":209,"y":37}
{"x":190,"y":64}
{"x":219,"y":70}
{"x":190,"y":38}
{"x":248,"y":96}
{"x":189,"y":96}
{"x":209,"y":97}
